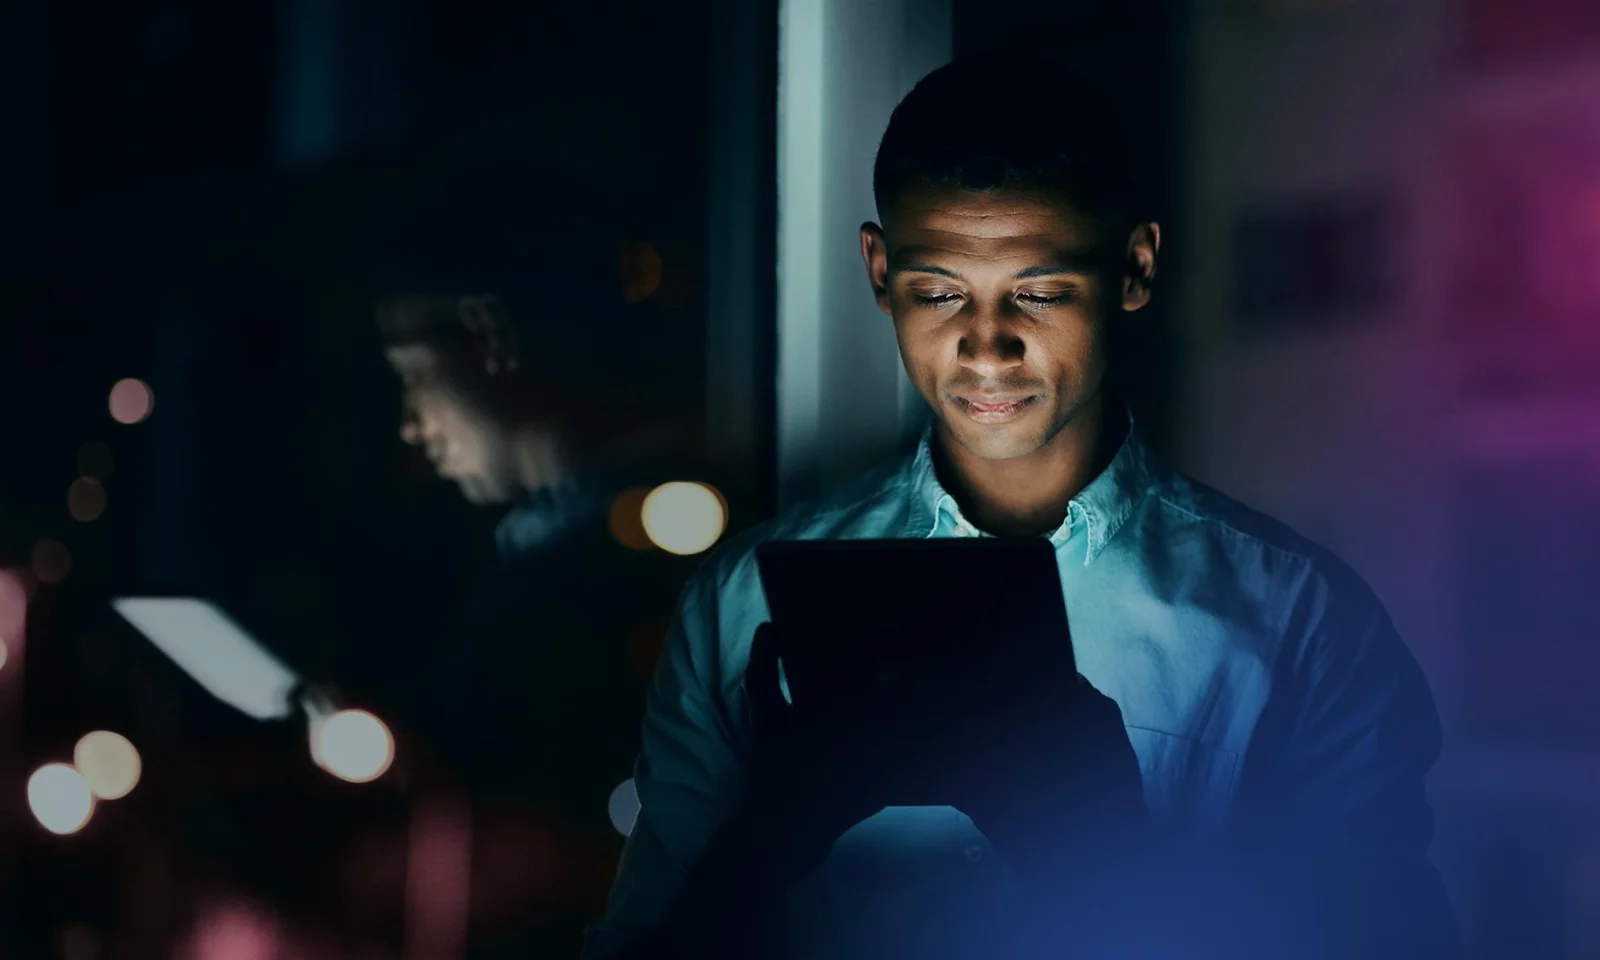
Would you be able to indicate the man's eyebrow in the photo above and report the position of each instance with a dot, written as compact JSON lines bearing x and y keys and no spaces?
{"x":924,"y":268}
{"x":1064,"y":263}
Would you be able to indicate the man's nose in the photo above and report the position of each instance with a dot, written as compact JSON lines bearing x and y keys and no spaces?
{"x":990,"y":345}
{"x":410,"y":426}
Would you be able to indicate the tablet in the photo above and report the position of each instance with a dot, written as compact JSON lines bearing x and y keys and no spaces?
{"x":216,"y":651}
{"x":853,"y":606}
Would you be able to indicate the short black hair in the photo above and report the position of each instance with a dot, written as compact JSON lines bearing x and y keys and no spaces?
{"x":990,"y":122}
{"x":555,"y":272}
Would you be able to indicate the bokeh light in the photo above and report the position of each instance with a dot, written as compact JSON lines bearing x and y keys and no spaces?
{"x":626,"y":520}
{"x":13,"y":611}
{"x":59,"y":798}
{"x":95,"y":460}
{"x":684,"y":518}
{"x":352,"y":745}
{"x":79,"y":942}
{"x":52,"y":561}
{"x":131,"y":401}
{"x":641,"y":271}
{"x":624,"y":807}
{"x":108,"y":763}
{"x":86,"y":499}
{"x":235,"y":931}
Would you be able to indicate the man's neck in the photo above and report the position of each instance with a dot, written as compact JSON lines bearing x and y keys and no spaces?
{"x":1030,"y":496}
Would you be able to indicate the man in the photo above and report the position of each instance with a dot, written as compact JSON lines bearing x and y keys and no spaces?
{"x":1280,"y":728}
{"x":528,"y":397}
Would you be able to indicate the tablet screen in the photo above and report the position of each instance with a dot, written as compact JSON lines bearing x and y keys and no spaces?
{"x":213,"y":649}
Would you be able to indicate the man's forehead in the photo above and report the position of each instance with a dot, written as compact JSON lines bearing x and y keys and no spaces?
{"x":998,"y":224}
{"x":412,"y":356}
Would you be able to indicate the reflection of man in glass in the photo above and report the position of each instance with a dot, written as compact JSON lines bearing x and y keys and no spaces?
{"x":469,"y":406}
{"x":532,"y":704}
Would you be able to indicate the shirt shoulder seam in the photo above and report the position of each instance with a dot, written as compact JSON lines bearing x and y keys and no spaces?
{"x":1223,"y":525}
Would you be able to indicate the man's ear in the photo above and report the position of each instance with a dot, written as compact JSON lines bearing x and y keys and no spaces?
{"x":1139,"y":266}
{"x":489,"y":325}
{"x":875,"y":254}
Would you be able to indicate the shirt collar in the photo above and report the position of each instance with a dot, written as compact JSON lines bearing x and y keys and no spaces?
{"x":1102,"y":507}
{"x":544,"y":516}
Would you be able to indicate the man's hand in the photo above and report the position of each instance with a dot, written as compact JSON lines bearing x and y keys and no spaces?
{"x":1040,"y":762}
{"x":1039,"y":759}
{"x":820,"y":768}
{"x":815,"y":771}
{"x":1048,"y":774}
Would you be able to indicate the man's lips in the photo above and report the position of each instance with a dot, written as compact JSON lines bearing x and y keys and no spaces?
{"x":991,"y":408}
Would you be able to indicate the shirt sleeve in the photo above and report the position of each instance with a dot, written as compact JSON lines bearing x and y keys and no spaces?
{"x":1335,"y":787}
{"x":687,"y":775}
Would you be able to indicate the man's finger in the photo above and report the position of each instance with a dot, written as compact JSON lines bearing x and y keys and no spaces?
{"x":761,"y":681}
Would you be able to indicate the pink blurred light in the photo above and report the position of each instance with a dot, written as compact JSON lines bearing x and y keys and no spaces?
{"x":236,"y":931}
{"x":13,"y":609}
{"x":438,"y":878}
{"x":131,"y":401}
{"x":13,"y":616}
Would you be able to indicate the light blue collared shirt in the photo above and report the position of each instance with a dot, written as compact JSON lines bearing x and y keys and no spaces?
{"x":1257,"y":677}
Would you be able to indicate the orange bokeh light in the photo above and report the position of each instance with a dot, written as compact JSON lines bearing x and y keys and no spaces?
{"x":626,"y":520}
{"x":108,"y":763}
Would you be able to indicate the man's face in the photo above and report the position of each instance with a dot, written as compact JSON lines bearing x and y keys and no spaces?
{"x":1000,"y":300}
{"x":446,"y":416}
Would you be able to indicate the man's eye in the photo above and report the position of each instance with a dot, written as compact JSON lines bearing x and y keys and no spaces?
{"x":1048,"y":300}
{"x":935,"y":299}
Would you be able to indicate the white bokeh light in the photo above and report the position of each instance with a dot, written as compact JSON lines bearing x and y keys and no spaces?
{"x":624,"y":807}
{"x":352,"y":745}
{"x":684,"y":518}
{"x":59,"y":798}
{"x":108,"y":763}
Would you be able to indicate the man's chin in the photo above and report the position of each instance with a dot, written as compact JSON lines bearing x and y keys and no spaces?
{"x":995,"y":441}
{"x":1008,"y":441}
{"x":478,"y":492}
